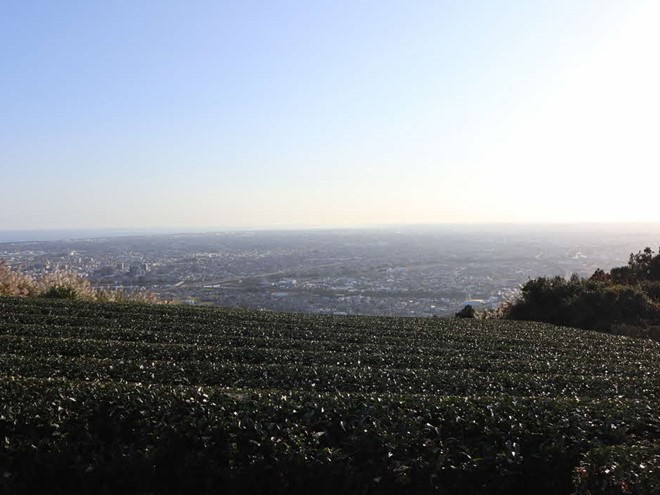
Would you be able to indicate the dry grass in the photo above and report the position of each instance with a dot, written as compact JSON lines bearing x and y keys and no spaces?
{"x":64,"y":285}
{"x":13,"y":283}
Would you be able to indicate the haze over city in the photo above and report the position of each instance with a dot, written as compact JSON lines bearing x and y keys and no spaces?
{"x":327,"y":113}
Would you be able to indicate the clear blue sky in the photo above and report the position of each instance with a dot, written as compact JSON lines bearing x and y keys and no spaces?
{"x":321,"y":113}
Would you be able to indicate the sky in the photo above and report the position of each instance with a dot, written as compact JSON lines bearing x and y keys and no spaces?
{"x":324,"y":113}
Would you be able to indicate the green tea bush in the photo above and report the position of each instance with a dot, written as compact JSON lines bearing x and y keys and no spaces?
{"x":620,"y":470}
{"x":165,"y":399}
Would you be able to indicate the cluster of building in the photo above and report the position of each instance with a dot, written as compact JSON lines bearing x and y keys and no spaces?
{"x":357,"y":272}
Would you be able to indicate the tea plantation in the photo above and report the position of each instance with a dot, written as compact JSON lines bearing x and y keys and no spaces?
{"x":139,"y":399}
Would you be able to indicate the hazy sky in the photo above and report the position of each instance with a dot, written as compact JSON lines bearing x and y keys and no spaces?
{"x":322,"y":113}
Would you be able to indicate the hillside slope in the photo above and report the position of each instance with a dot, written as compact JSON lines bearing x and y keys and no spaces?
{"x":108,"y":398}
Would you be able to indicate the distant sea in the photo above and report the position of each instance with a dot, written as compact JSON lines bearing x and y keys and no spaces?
{"x":646,"y":228}
{"x":60,"y":235}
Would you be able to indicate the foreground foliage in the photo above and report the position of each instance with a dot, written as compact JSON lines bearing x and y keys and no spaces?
{"x":625,"y":301}
{"x":112,"y":398}
{"x":63,"y":285}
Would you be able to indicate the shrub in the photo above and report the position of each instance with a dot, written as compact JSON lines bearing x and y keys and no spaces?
{"x":652,"y":289}
{"x":627,"y":297}
{"x":467,"y":312}
{"x":583,"y":304}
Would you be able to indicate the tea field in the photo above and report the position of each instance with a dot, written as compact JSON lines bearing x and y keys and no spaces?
{"x":151,"y":399}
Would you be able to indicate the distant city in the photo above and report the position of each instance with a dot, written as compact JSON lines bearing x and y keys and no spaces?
{"x":404,"y":271}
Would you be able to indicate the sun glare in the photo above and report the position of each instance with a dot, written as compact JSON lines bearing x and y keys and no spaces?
{"x":590,"y":151}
